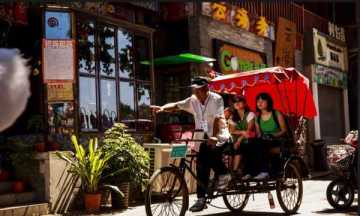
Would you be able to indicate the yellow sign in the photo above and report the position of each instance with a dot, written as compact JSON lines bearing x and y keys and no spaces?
{"x":219,"y":11}
{"x":60,"y":91}
{"x":242,"y":19}
{"x":262,"y":27}
{"x":239,"y":17}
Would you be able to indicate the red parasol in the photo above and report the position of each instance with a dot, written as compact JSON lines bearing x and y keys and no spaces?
{"x":288,"y":88}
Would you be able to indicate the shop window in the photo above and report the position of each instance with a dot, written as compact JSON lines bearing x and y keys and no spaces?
{"x":108,"y":102}
{"x":112,"y":87}
{"x":144,"y":101}
{"x":127,"y":100}
{"x":86,"y":47}
{"x":107,"y":51}
{"x":125,"y":47}
{"x":57,"y":25}
{"x":87,"y":98}
{"x":142,"y":54}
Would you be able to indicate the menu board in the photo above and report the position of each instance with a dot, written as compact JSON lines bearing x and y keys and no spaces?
{"x":58,"y":60}
{"x":60,"y":91}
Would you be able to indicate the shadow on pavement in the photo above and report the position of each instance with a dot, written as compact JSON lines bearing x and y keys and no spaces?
{"x":351,"y":211}
{"x":247,"y":213}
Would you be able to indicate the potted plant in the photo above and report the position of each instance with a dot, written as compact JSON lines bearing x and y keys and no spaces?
{"x":127,"y":155}
{"x":89,"y":167}
{"x":36,"y":125}
{"x":25,"y":167}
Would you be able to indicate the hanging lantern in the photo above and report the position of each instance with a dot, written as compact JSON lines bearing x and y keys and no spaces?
{"x":20,"y":13}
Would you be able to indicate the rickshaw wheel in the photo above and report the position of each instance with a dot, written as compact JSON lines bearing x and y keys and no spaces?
{"x":340,"y":194}
{"x":289,"y":189}
{"x":166,"y":193}
{"x":235,"y":202}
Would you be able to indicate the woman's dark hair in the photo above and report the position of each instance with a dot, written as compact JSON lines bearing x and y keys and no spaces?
{"x":268,"y":99}
{"x":235,"y":114}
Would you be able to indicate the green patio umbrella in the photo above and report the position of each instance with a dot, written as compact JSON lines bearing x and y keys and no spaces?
{"x":179,"y":59}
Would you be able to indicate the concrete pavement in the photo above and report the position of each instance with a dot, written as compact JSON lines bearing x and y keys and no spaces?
{"x":314,"y":203}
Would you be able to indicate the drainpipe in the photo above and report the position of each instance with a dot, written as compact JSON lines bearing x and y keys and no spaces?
{"x":358,"y":95}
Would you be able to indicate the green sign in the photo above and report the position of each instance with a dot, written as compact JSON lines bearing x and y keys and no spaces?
{"x":330,"y":77}
{"x":233,"y":59}
{"x":178,"y":151}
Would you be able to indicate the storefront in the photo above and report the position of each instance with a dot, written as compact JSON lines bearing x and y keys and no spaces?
{"x":109,"y":83}
{"x":328,"y":70}
{"x":85,"y":75}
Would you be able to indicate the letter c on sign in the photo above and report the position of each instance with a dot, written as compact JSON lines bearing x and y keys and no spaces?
{"x":225,"y":60}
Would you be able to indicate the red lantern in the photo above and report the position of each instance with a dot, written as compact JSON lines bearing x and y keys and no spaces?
{"x":20,"y":13}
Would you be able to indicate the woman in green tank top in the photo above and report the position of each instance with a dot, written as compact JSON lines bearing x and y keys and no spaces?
{"x":242,"y":126}
{"x":270,"y":125}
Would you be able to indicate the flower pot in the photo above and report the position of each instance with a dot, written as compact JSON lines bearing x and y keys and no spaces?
{"x":92,"y":202}
{"x":40,"y":147}
{"x":4,"y":175}
{"x":119,"y":202}
{"x":54,"y":146}
{"x":18,"y":186}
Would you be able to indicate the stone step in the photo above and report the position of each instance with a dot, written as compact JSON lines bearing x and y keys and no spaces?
{"x":9,"y":199}
{"x":31,"y":209}
{"x":5,"y":187}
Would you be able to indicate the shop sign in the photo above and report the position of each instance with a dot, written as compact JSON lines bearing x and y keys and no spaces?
{"x":240,"y":18}
{"x":60,"y":91}
{"x":58,"y":60}
{"x":58,"y":25}
{"x":233,"y":59}
{"x":336,"y":31}
{"x":329,"y":53}
{"x":330,"y":77}
{"x":285,"y":42}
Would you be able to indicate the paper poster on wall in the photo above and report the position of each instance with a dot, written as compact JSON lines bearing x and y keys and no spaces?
{"x":60,"y":91}
{"x":61,"y":118}
{"x":58,"y":60}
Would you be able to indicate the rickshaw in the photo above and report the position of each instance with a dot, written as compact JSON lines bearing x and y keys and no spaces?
{"x":167,"y":192}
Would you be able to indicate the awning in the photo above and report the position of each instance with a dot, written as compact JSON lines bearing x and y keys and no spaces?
{"x":180,"y":59}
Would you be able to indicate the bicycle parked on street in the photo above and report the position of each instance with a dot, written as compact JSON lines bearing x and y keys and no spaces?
{"x":342,"y":161}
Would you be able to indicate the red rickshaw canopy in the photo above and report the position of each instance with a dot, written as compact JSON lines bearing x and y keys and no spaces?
{"x":288,"y":88}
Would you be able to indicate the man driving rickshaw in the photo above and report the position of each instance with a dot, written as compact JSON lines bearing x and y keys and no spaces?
{"x":208,"y":111}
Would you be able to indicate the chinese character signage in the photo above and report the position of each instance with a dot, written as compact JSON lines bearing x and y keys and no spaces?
{"x":336,"y":32}
{"x":330,"y":77}
{"x":329,"y":53}
{"x":239,"y":17}
{"x":58,"y":60}
{"x":233,"y":59}
{"x":60,"y":91}
{"x":285,"y":42}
